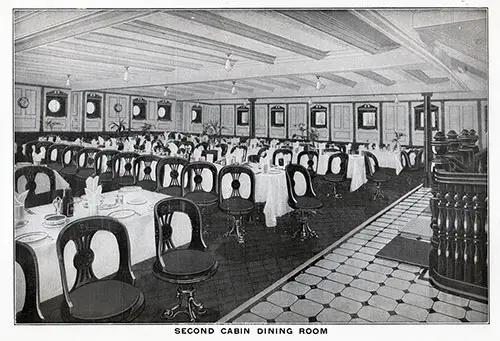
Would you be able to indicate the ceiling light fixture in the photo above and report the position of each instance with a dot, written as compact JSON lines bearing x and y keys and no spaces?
{"x":318,"y":83}
{"x":125,"y":75}
{"x":68,"y":83}
{"x":165,"y":93}
{"x":228,"y":65}
{"x":396,"y":100}
{"x":233,"y":88}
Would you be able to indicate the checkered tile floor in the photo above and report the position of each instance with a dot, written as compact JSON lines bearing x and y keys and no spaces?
{"x":350,"y":284}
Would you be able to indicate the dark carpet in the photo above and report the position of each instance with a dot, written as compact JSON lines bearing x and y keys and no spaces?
{"x":267,"y":255}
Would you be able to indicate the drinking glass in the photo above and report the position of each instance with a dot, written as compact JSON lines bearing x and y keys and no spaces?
{"x":19,"y":215}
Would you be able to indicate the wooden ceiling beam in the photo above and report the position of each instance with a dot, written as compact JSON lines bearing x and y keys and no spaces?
{"x":338,"y":79}
{"x":279,"y":83}
{"x":222,"y":23}
{"x":152,"y":47}
{"x":392,"y":59}
{"x":303,"y":81}
{"x":423,"y":77}
{"x":258,"y":86}
{"x":87,"y":23}
{"x":376,"y":77}
{"x":162,"y":32}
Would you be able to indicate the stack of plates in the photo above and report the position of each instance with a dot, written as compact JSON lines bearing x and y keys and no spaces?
{"x":32,"y":237}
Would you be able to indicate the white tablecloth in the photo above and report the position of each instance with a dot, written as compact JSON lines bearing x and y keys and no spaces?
{"x":140,"y":230}
{"x":389,"y":159}
{"x":356,"y":171}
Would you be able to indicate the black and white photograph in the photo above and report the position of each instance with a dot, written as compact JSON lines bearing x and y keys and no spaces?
{"x":255,"y":170}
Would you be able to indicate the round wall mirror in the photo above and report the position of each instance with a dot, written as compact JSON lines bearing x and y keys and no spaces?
{"x":54,"y":105}
{"x":90,"y":108}
{"x":137,"y":110}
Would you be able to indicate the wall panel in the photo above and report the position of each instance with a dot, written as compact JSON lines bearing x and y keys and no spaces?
{"x":395,"y":118}
{"x":228,"y":119}
{"x":27,"y":119}
{"x":297,"y":114}
{"x":261,"y":120}
{"x":110,"y":112}
{"x":418,"y":135}
{"x":324,"y":133}
{"x":341,"y":122}
{"x":367,"y":136}
{"x":461,"y":115}
{"x":277,"y":132}
{"x":62,"y":123}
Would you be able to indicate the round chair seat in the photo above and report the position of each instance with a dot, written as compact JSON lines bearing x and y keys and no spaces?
{"x":84,"y":173}
{"x":380,"y":177}
{"x":308,"y":203}
{"x":148,"y":185}
{"x":55,"y":166}
{"x":186,"y":265}
{"x":106,"y":177}
{"x":174,"y":191}
{"x":124,"y":181}
{"x":68,"y":170}
{"x":105,"y":300}
{"x":202,"y":198}
{"x":237,"y":205}
{"x":334,"y":177}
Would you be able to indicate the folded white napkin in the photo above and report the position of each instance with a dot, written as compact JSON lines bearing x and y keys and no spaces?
{"x":296,"y":145}
{"x":113,"y":141}
{"x":321,"y":145}
{"x":173,"y":147}
{"x":23,"y":149}
{"x":20,"y":198}
{"x":37,"y":157}
{"x":42,"y":138}
{"x":197,"y":154}
{"x":147,"y":146}
{"x":94,"y":142}
{"x":100,"y":140}
{"x":58,"y":139}
{"x":107,"y":144}
{"x":93,"y":190}
{"x":348,"y":148}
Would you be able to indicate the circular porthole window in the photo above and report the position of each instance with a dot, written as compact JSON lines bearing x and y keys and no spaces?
{"x":54,"y":105}
{"x":161,"y":112}
{"x":137,"y":110}
{"x":90,"y":108}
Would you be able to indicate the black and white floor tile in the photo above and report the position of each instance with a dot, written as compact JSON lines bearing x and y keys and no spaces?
{"x":351,"y":284}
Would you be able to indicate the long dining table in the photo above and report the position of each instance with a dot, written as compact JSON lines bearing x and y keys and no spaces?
{"x":139,"y":225}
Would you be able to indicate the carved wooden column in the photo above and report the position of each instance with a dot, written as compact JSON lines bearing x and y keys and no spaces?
{"x":427,"y":138}
{"x":251,"y":115}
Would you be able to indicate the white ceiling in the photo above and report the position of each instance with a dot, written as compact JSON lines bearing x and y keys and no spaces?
{"x":275,"y":53}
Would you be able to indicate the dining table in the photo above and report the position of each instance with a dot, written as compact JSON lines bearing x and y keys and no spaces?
{"x":135,"y":213}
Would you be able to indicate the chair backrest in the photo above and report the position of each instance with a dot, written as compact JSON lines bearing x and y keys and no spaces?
{"x":29,"y":147}
{"x":69,"y":155}
{"x":192,"y":177}
{"x":88,"y":155}
{"x":210,"y":154}
{"x":30,"y":173}
{"x":236,"y":171}
{"x":224,"y":148}
{"x":255,"y":158}
{"x":59,"y":148}
{"x":46,"y":145}
{"x":263,"y":151}
{"x":26,"y":258}
{"x":291,"y":170}
{"x":202,"y":145}
{"x":104,"y":156}
{"x":243,"y":148}
{"x":127,"y":159}
{"x":176,"y":165}
{"x":412,"y":158}
{"x":343,"y":160}
{"x":143,"y":168}
{"x":188,"y":148}
{"x":280,"y":153}
{"x":310,"y":159}
{"x":371,"y":163}
{"x":81,"y":233}
{"x":163,"y":212}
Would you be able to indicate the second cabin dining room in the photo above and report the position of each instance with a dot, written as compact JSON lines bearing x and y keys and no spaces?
{"x":251,"y":166}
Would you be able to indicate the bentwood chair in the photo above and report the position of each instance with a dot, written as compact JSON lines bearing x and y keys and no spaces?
{"x":122,"y":169}
{"x":70,"y":161}
{"x":174,"y":166}
{"x":337,"y":174}
{"x":412,"y":162}
{"x":57,"y":162}
{"x":309,"y":159}
{"x":144,"y":166}
{"x":224,"y":148}
{"x":304,"y":204}
{"x":376,"y":174}
{"x":26,"y":258}
{"x":103,"y":168}
{"x":263,"y":152}
{"x":46,"y":145}
{"x":282,"y":154}
{"x":236,"y":204}
{"x":255,"y":158}
{"x":30,"y":174}
{"x":85,"y":165}
{"x":184,"y":267}
{"x":91,"y":300}
{"x":188,"y":147}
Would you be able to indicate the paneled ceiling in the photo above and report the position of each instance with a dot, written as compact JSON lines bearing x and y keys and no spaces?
{"x":218,"y":55}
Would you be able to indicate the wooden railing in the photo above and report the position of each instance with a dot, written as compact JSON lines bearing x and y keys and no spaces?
{"x":458,"y":260}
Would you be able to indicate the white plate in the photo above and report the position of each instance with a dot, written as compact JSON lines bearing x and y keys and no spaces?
{"x":127,"y":189}
{"x":108,"y":206}
{"x":122,"y":214}
{"x":21,"y":223}
{"x":54,"y":220}
{"x":31,"y":237}
{"x":137,"y":201}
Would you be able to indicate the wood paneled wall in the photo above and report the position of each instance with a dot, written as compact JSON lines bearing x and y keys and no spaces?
{"x":342,"y":123}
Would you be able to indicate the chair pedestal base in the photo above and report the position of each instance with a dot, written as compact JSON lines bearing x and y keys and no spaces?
{"x":304,"y":232}
{"x":378,"y":193}
{"x":335,"y":194}
{"x":193,"y":309}
{"x":237,"y":230}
